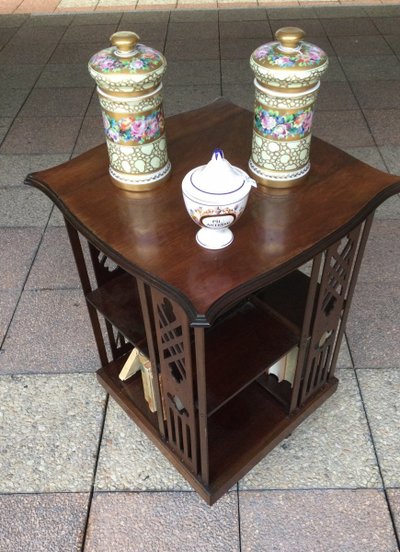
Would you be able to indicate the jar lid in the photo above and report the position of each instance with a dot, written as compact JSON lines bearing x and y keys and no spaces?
{"x":127,"y":61}
{"x":217,"y":180}
{"x":290,"y":62}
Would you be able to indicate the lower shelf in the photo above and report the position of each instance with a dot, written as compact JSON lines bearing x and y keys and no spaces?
{"x":240,"y":434}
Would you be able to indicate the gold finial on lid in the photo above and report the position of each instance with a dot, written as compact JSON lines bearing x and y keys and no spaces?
{"x":124,"y":41}
{"x":289,"y":37}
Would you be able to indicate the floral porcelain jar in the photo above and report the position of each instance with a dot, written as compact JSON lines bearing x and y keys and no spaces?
{"x":128,"y":77}
{"x":287,"y":79}
{"x":215,"y":196}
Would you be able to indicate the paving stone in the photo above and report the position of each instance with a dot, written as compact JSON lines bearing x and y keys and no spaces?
{"x":321,"y":521}
{"x":6,"y":34}
{"x":342,"y":128}
{"x":47,"y":135}
{"x":371,"y":68}
{"x":388,"y":25}
{"x":5,"y":123}
{"x":381,"y":122}
{"x":119,"y":519}
{"x":360,"y":45}
{"x":25,"y":54}
{"x":91,"y":134}
{"x":18,"y":247}
{"x":382,"y":11}
{"x":336,"y":96}
{"x":382,"y":253}
{"x":389,"y":210}
{"x":243,"y":14}
{"x":344,"y":358}
{"x":129,"y":460}
{"x":323,"y":42}
{"x":50,"y":333}
{"x":57,"y":102}
{"x":96,"y":18}
{"x":67,"y":53}
{"x":382,"y":94}
{"x":332,"y":448}
{"x":342,"y":11}
{"x":292,"y":13}
{"x":15,"y":168}
{"x":11,"y":100}
{"x":23,"y":207}
{"x":65,"y":75}
{"x":8,"y":302}
{"x":146,"y":16}
{"x":19,"y":76}
{"x":381,"y":390}
{"x":43,"y":522}
{"x":89,"y":33}
{"x":147,"y":31}
{"x":310,"y":26}
{"x":56,"y":218}
{"x":370,"y":155}
{"x":394,"y":500}
{"x":180,"y":30}
{"x":239,"y":49}
{"x":334,"y":72}
{"x":12,"y":20}
{"x":49,"y":20}
{"x":184,"y":98}
{"x":194,"y":15}
{"x":245,"y":29}
{"x":181,"y":73}
{"x":33,"y":35}
{"x":391,"y":155}
{"x":240,"y":94}
{"x":94,"y":109}
{"x":236,"y":71}
{"x":394,"y":42}
{"x":349,"y":27}
{"x":54,"y":266}
{"x":50,"y":432}
{"x":192,"y":50}
{"x":373,"y":325}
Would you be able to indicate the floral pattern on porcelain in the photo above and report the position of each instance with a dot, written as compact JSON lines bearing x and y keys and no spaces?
{"x":106,"y":62}
{"x":308,"y":56}
{"x":278,"y":126}
{"x":138,"y":129}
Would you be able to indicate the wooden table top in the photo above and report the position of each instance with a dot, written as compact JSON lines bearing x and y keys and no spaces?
{"x":151,"y":235}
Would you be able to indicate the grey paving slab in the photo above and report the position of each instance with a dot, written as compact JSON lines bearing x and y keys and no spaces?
{"x":18,"y":248}
{"x":187,"y":73}
{"x":239,"y":94}
{"x":332,"y":448}
{"x":394,"y":42}
{"x":129,"y":461}
{"x":344,"y":358}
{"x":94,"y":109}
{"x":292,"y":13}
{"x":184,"y":98}
{"x":322,"y":41}
{"x":383,"y":11}
{"x":336,"y":96}
{"x":15,"y":168}
{"x":391,"y":155}
{"x":372,"y":94}
{"x":89,"y":33}
{"x":373,"y":325}
{"x":47,"y":135}
{"x":19,"y":76}
{"x":383,"y":125}
{"x":49,"y":20}
{"x":23,"y":206}
{"x":381,"y":391}
{"x":342,"y":11}
{"x":236,"y":71}
{"x":194,"y":15}
{"x":370,"y":155}
{"x":335,"y":71}
{"x":178,"y":521}
{"x":180,"y":30}
{"x":8,"y":302}
{"x":96,"y":18}
{"x":57,"y":102}
{"x":192,"y":49}
{"x":6,"y":34}
{"x":360,"y":45}
{"x":342,"y":128}
{"x":67,"y":52}
{"x":54,"y":266}
{"x":153,"y":16}
{"x":50,"y":333}
{"x":25,"y":54}
{"x":245,"y":29}
{"x":43,"y":522}
{"x":33,"y":35}
{"x":242,"y":14}
{"x":310,"y":26}
{"x":12,"y":20}
{"x":382,"y":253}
{"x":394,"y":501}
{"x":321,"y":521}
{"x":371,"y":68}
{"x":389,"y":210}
{"x":5,"y":123}
{"x":349,"y":26}
{"x":68,"y":75}
{"x":91,"y":134}
{"x":50,"y":432}
{"x":388,"y":25}
{"x":56,"y":218}
{"x":147,"y":31}
{"x":239,"y":49}
{"x":11,"y":100}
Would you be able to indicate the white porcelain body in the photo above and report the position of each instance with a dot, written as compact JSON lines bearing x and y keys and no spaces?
{"x":217,"y":214}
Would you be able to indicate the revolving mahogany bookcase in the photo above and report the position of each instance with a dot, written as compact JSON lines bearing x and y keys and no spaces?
{"x":213,"y":322}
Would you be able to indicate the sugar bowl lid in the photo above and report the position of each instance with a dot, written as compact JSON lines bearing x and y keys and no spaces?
{"x":218,"y":181}
{"x":288,"y":54}
{"x":127,"y":61}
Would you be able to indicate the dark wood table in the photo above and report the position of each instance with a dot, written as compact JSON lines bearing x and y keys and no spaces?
{"x":213,"y":322}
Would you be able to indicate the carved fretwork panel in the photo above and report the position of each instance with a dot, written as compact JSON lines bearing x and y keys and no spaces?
{"x":174,"y":348}
{"x":331,"y":303}
{"x":104,"y":268}
{"x":118,"y":344}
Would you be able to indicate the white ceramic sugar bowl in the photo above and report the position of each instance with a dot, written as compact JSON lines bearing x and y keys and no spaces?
{"x":215,"y":197}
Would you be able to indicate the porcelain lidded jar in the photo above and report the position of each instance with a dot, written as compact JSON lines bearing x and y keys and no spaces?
{"x":128,"y":77}
{"x":215,"y":196}
{"x":287,"y":79}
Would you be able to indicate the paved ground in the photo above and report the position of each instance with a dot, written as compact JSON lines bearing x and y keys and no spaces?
{"x":75,"y":472}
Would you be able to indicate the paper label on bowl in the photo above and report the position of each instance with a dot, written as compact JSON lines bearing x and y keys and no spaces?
{"x":220,"y":221}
